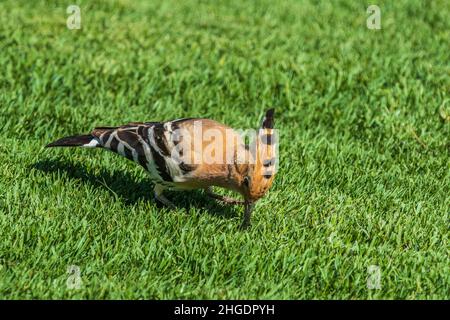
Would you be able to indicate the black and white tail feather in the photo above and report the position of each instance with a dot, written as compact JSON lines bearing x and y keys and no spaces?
{"x":87,"y":140}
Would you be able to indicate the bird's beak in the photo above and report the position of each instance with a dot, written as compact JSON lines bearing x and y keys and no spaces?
{"x":248,"y":205}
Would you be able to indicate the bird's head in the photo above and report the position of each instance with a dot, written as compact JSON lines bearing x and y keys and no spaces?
{"x":259,"y":174}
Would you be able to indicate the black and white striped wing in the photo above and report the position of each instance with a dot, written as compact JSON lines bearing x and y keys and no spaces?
{"x":148,"y":144}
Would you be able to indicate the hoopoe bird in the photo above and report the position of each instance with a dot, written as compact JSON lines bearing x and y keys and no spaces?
{"x":193,"y":153}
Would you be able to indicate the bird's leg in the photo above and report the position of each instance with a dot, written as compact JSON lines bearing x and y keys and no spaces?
{"x":247,"y":214}
{"x":223,"y":199}
{"x":158,"y":191}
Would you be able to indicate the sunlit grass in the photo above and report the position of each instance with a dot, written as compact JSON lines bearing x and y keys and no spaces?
{"x":364,"y":153}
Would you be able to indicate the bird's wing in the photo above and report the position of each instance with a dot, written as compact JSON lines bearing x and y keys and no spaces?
{"x":143,"y":143}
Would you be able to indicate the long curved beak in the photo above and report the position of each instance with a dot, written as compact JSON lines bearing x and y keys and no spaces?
{"x":249,"y":206}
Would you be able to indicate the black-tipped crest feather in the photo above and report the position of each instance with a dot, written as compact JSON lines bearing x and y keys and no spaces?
{"x":268,"y":119}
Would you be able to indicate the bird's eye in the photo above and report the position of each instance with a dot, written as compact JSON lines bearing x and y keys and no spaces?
{"x":246,"y":181}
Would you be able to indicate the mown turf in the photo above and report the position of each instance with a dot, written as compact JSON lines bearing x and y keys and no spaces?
{"x":364,"y":120}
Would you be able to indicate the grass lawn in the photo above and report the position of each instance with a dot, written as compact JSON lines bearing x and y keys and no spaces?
{"x":363,"y":187}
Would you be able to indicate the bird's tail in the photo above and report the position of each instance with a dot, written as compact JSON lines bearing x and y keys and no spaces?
{"x":87,"y":141}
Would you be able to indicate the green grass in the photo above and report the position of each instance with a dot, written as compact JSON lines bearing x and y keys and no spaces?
{"x":364,"y":176}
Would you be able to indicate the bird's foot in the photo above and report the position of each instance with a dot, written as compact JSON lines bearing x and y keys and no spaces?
{"x":165,"y":201}
{"x":161,"y":198}
{"x":223,"y":199}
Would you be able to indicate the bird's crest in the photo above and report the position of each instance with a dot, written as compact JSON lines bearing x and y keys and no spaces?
{"x":261,"y":174}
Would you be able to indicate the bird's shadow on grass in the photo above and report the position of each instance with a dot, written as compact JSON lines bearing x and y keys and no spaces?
{"x":132,"y":190}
